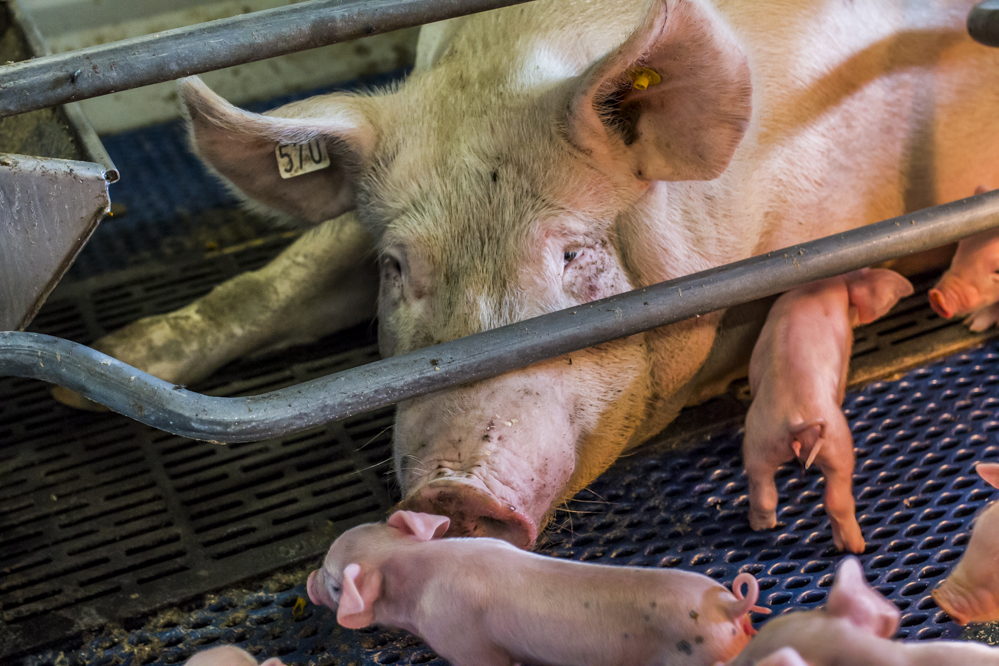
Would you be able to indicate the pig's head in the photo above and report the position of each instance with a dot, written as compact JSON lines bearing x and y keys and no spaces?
{"x":350,"y":580}
{"x":973,"y":279}
{"x":499,"y":190}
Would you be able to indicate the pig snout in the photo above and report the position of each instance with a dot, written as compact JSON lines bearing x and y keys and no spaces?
{"x":953,"y":297}
{"x":493,"y":457}
{"x":473,"y":512}
{"x":317,"y":590}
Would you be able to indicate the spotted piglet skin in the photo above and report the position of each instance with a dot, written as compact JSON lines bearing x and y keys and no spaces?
{"x":484,"y":602}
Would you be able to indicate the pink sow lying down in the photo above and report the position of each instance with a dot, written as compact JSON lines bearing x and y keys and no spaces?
{"x":854,"y":629}
{"x":483,"y":602}
{"x":971,"y":591}
{"x":798,"y":377}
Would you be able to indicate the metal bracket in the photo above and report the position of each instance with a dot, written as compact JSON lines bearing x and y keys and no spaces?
{"x":48,"y":209}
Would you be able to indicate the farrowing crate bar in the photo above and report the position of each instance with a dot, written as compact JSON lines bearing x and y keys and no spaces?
{"x":160,"y":404}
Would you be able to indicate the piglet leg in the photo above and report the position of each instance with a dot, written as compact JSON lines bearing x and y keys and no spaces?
{"x":836,"y":460}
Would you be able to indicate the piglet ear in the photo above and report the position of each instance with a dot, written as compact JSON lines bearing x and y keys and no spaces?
{"x":989,"y":472}
{"x":852,"y":598}
{"x":423,"y":526}
{"x":273,"y":661}
{"x":875,"y":291}
{"x":361,"y":588}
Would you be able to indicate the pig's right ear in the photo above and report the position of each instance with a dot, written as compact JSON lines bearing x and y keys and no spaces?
{"x":243,"y":148}
{"x":989,"y":472}
{"x":423,"y":526}
{"x":852,"y":598}
{"x":361,"y":588}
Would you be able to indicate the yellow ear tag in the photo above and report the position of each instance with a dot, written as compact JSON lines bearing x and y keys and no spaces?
{"x":643,"y":77}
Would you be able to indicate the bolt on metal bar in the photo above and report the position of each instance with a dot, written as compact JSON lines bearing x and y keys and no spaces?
{"x":131,"y":63}
{"x":162,"y":405}
{"x":983,"y":23}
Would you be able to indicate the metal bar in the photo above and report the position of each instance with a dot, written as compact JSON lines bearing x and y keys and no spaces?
{"x":78,"y":120}
{"x":108,"y":68}
{"x":154,"y":402}
{"x":983,"y":23}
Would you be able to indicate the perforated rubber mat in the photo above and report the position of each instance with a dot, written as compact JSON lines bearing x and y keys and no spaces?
{"x":917,"y":442}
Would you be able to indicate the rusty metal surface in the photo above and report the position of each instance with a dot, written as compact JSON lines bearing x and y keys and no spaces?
{"x":48,"y":209}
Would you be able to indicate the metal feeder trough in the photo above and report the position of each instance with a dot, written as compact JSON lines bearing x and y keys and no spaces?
{"x":50,"y":198}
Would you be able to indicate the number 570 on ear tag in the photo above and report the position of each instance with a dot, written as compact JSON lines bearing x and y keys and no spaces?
{"x":298,"y":159}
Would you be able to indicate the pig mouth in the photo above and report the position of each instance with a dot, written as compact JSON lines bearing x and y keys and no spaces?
{"x":473,"y":513}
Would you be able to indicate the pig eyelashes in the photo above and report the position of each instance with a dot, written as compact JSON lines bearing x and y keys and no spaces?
{"x":568,"y":256}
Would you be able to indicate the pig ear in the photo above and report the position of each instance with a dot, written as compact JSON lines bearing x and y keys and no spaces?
{"x":361,"y":588}
{"x":694,"y":108}
{"x":241,"y":146}
{"x":875,"y":291}
{"x":989,"y":472}
{"x":423,"y":526}
{"x":852,"y":598}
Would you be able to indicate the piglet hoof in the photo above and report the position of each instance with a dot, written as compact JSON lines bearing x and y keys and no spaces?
{"x":848,"y":537}
{"x":762,"y":520}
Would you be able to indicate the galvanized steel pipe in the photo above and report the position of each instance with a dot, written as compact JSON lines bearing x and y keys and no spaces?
{"x":154,"y":402}
{"x":131,"y":63}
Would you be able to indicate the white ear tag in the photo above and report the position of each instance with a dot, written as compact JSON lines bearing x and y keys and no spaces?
{"x":298,"y":159}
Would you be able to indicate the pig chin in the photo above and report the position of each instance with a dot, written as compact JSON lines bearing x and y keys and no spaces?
{"x":493,"y":467}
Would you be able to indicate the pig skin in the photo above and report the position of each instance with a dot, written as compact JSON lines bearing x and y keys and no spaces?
{"x":228,"y":655}
{"x":483,"y":602}
{"x":971,"y":592}
{"x":851,"y":632}
{"x":517,"y":172}
{"x":798,"y":376}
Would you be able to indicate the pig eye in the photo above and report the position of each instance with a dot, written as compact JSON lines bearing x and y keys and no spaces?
{"x":569,"y":256}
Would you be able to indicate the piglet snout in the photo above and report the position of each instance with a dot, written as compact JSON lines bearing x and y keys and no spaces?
{"x":472,"y":512}
{"x":940,"y":304}
{"x":316,"y":587}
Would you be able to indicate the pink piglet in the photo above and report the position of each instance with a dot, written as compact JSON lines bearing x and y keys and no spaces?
{"x":484,"y":602}
{"x":797,"y":374}
{"x":971,"y":592}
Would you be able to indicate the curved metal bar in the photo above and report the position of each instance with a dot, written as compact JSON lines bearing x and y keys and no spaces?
{"x":161,"y":405}
{"x":983,"y":23}
{"x":131,"y":63}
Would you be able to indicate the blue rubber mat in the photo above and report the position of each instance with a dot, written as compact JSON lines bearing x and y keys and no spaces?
{"x":164,"y":191}
{"x":917,"y":442}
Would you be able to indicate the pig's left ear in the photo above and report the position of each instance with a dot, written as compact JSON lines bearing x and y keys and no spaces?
{"x":673,"y":102}
{"x":989,"y":472}
{"x":875,"y":291}
{"x":361,"y":588}
{"x":852,"y":598}
{"x":423,"y":526}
